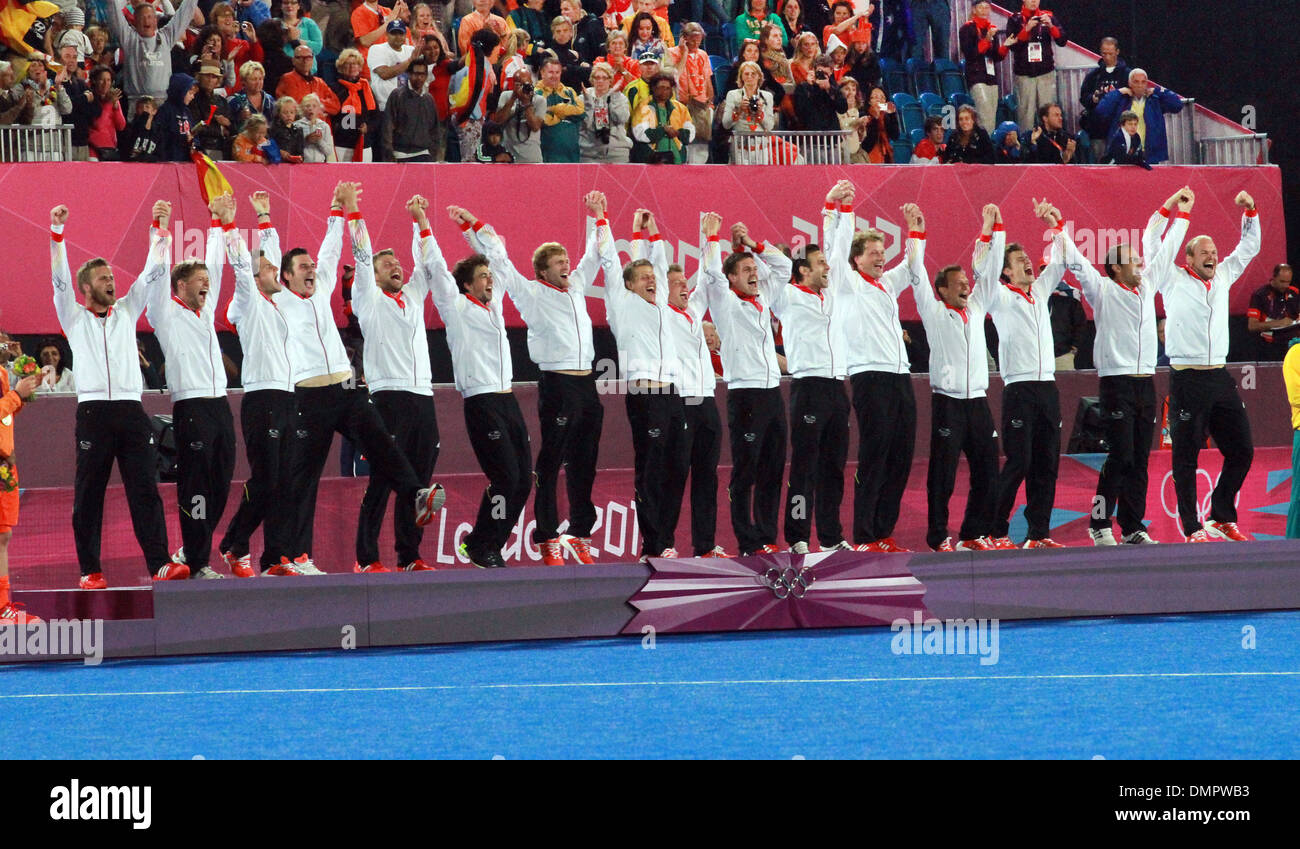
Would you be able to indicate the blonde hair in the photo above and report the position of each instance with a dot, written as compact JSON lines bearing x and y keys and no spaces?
{"x":249,"y":67}
{"x":860,"y":239}
{"x":542,"y":256}
{"x":349,"y":55}
{"x":279,"y":105}
{"x":740,"y":73}
{"x":254,"y":121}
{"x":616,"y":35}
{"x":514,"y":42}
{"x":604,"y":68}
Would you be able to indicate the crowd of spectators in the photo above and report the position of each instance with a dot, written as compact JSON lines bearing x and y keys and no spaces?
{"x":289,"y":81}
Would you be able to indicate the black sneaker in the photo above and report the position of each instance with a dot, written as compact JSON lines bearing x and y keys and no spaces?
{"x":494,"y":560}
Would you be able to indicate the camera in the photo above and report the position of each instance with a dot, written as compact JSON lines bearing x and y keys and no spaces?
{"x":525,"y":91}
{"x":822,"y":75}
{"x":753,"y":103}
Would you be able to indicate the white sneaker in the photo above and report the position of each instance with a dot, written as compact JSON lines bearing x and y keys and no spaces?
{"x":305,"y":566}
{"x":1140,"y":538}
{"x":799,"y":548}
{"x":208,"y":573}
{"x":179,"y":556}
{"x":842,"y":545}
{"x":1103,"y":536}
{"x":428,"y":501}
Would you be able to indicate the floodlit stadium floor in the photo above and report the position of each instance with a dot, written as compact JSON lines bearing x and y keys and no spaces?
{"x":1151,"y":687}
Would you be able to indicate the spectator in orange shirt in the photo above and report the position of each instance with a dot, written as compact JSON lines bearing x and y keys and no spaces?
{"x":301,"y":82}
{"x":478,"y":19}
{"x":370,"y":20}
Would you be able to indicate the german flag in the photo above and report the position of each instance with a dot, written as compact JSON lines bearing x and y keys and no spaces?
{"x":212,"y":183}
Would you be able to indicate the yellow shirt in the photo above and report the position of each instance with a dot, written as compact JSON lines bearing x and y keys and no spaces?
{"x":1291,"y":374}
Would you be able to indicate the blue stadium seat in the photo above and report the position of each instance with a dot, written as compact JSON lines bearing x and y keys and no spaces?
{"x":902,"y":151}
{"x":909,"y":112}
{"x":716,"y":62}
{"x":729,"y":37}
{"x":894,"y":77}
{"x":917,"y":135}
{"x":1007,"y":108}
{"x":1083,"y":149}
{"x":951,"y":78}
{"x":931,"y":103}
{"x":960,"y":98}
{"x":720,"y":75}
{"x":923,"y":76}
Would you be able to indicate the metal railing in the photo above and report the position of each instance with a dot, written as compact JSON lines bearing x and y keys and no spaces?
{"x":1235,"y":150}
{"x":1180,"y":135}
{"x":788,"y":148}
{"x":31,"y":143}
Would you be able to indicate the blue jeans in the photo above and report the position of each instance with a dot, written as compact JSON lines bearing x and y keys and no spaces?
{"x":714,"y":8}
{"x":934,"y":17}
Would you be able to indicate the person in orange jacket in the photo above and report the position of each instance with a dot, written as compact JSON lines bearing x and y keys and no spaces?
{"x":11,"y":401}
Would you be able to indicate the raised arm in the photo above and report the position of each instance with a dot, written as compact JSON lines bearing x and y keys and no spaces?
{"x":584,"y":273}
{"x":363,"y":285}
{"x":897,"y":279}
{"x":1090,"y":280}
{"x":986,"y":262}
{"x":178,"y":23}
{"x":117,"y":22}
{"x":65,"y":301}
{"x":1164,"y":250}
{"x":1054,"y":272}
{"x":658,"y":258}
{"x":714,"y":281}
{"x":331,"y":249}
{"x":152,"y":288}
{"x":426,"y":258}
{"x":222,"y":209}
{"x":241,"y":262}
{"x":1248,"y":247}
{"x":484,"y":239}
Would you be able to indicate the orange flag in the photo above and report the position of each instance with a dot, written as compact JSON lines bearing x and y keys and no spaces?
{"x":212,"y":183}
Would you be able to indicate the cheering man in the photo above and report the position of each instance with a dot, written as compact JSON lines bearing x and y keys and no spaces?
{"x":1124,"y":308}
{"x":267,"y":411}
{"x":400,"y":377}
{"x":960,"y":421}
{"x":111,"y":422}
{"x":1203,"y":396}
{"x":184,"y":317}
{"x":755,"y":411}
{"x":553,"y":303}
{"x":327,"y":397}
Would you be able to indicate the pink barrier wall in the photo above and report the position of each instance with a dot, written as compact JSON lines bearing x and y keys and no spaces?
{"x":530,"y":204}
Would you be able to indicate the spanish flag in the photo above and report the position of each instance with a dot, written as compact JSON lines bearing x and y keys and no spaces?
{"x":212,"y":183}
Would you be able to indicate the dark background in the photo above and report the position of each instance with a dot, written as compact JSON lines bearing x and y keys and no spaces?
{"x":1225,"y":55}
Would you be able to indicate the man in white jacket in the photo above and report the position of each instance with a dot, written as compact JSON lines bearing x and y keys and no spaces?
{"x":1203,"y":397}
{"x":111,"y":422}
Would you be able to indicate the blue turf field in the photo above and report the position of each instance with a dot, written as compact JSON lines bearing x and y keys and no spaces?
{"x":1165,"y":687}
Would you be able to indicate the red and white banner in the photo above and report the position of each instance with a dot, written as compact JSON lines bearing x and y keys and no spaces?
{"x":531,"y":204}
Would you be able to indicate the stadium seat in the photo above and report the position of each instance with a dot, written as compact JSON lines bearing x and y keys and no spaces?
{"x":1007,"y":108}
{"x":729,"y":38}
{"x":909,"y":112}
{"x":923,"y":76}
{"x":951,"y":78}
{"x":720,"y":75}
{"x":715,"y":44}
{"x":902,"y":151}
{"x":716,"y":62}
{"x":1083,"y":149}
{"x":931,"y":103}
{"x":916,"y":136}
{"x":960,"y":98}
{"x":894,"y":77}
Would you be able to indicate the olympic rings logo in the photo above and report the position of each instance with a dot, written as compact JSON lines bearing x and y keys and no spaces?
{"x":789,"y":581}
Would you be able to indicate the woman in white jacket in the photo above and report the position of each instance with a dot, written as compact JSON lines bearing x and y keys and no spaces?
{"x":749,"y":109}
{"x":603,"y":134}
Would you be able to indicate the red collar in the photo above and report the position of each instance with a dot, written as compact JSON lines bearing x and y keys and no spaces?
{"x":1132,"y":289}
{"x":476,"y":301}
{"x":965,"y":319}
{"x":682,"y":313}
{"x":1198,"y":278}
{"x":552,"y":286}
{"x":1028,"y":296}
{"x":803,"y":288}
{"x":301,"y":297}
{"x":752,"y":299}
{"x":186,"y":306}
{"x":396,"y":296}
{"x":870,"y":279}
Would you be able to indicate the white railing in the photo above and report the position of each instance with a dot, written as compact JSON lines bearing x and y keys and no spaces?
{"x":1180,"y":135}
{"x":1235,"y":150}
{"x":30,"y":143}
{"x":788,"y":148}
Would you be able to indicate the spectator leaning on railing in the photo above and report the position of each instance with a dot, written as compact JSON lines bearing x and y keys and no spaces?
{"x":1125,"y":147}
{"x":978,"y":39}
{"x":1030,"y":35}
{"x":1049,"y":143}
{"x":49,"y":97}
{"x":818,"y":102}
{"x":748,"y":108}
{"x":1151,"y":104}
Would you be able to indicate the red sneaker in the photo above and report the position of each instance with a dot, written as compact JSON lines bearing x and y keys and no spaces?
{"x":579,"y":548}
{"x":974,"y":545}
{"x":173,"y":572}
{"x":428,"y":502}
{"x":888,"y":544}
{"x":1225,"y":530}
{"x":284,"y":569}
{"x":946,"y":545}
{"x":1045,"y":542}
{"x":417,"y":565}
{"x":373,"y":567}
{"x":768,"y":549}
{"x":12,"y":614}
{"x":668,"y":554}
{"x":1002,"y":543}
{"x":718,"y":551}
{"x":1201,"y":536}
{"x":240,"y":567}
{"x":552,"y":554}
{"x":93,"y":581}
{"x":872,"y":547}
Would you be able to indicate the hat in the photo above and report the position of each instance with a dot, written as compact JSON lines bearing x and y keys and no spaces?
{"x":209,"y":67}
{"x":650,"y":55}
{"x":397,"y":26}
{"x":74,"y":17}
{"x":833,"y":43}
{"x":861,"y":34}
